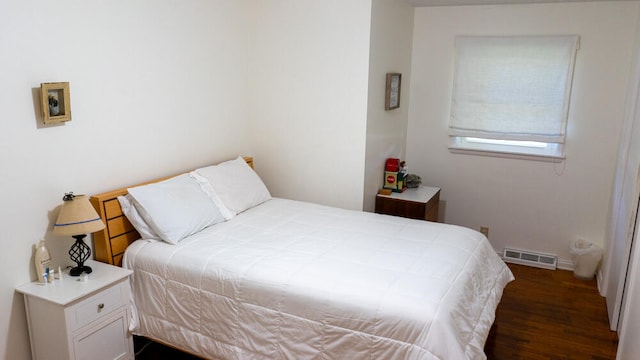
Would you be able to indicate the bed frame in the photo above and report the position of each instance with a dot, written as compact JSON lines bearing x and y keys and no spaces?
{"x":110,"y":243}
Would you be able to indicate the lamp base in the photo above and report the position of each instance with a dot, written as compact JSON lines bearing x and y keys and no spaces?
{"x":78,"y":270}
{"x":79,"y":253}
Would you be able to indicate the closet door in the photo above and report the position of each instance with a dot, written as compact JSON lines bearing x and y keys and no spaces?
{"x":627,"y":266}
{"x":620,"y":249}
{"x":628,"y":329}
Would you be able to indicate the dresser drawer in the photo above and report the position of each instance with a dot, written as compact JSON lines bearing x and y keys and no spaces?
{"x":97,"y":306}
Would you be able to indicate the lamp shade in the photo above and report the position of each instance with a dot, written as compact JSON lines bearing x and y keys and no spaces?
{"x":77,"y":216}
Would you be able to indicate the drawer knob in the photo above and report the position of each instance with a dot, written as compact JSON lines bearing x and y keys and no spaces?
{"x":100,"y":307}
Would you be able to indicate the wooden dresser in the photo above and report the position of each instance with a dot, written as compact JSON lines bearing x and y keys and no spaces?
{"x":417,"y":203}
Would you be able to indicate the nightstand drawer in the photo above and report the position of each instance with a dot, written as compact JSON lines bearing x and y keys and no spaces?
{"x":91,"y":344}
{"x":98,"y":305}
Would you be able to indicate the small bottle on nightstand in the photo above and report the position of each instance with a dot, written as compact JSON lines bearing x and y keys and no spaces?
{"x":42,"y":261}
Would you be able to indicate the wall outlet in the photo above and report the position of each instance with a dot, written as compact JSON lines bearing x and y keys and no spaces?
{"x":485,"y":231}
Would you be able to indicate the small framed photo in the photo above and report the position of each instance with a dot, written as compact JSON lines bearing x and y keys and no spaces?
{"x":55,"y":102}
{"x":392,"y":93}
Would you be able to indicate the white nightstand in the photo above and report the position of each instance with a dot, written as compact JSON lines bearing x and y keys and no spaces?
{"x":72,"y":319}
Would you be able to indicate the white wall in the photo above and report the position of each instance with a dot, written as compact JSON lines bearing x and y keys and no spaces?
{"x":526,"y":204}
{"x":308,"y":66}
{"x":157,"y":87}
{"x":391,"y":41}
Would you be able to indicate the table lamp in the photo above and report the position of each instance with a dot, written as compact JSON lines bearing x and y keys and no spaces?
{"x":77,"y":218}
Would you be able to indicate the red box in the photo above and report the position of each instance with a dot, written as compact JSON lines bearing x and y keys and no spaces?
{"x":392,"y":165}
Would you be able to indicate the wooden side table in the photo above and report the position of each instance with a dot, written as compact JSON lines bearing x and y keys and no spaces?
{"x":417,"y":203}
{"x":73,"y":319}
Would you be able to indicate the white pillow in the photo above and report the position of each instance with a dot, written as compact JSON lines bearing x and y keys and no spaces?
{"x":235,"y":184}
{"x":206,"y":187}
{"x":131,"y":212}
{"x":175,"y":208}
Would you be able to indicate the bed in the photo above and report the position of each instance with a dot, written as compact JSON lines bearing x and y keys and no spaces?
{"x":272,"y":278}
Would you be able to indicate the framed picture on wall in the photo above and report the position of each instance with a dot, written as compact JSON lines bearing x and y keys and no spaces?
{"x":55,"y":102}
{"x":392,"y":93}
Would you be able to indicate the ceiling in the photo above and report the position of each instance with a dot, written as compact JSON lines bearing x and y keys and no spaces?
{"x":490,"y":2}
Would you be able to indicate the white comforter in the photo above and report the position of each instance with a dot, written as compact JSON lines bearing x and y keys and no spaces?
{"x":293,"y":280}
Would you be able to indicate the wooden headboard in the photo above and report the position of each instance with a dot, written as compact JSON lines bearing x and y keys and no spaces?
{"x":110,"y":243}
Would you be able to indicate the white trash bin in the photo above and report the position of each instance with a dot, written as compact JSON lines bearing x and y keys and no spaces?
{"x":586,"y":258}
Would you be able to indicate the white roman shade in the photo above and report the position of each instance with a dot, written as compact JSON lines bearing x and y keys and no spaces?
{"x":512,"y":88}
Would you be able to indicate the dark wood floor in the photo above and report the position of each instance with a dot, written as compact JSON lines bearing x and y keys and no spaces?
{"x":148,"y":350}
{"x":543,"y":314}
{"x":548,"y":314}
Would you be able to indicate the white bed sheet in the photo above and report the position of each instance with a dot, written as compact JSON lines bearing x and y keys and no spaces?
{"x":294,"y":280}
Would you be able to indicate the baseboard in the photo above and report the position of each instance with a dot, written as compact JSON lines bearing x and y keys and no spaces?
{"x":564,"y":264}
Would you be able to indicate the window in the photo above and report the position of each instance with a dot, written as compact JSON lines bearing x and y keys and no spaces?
{"x":511,"y":95}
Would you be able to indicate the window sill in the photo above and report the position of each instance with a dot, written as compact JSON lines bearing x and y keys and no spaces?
{"x":504,"y":151}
